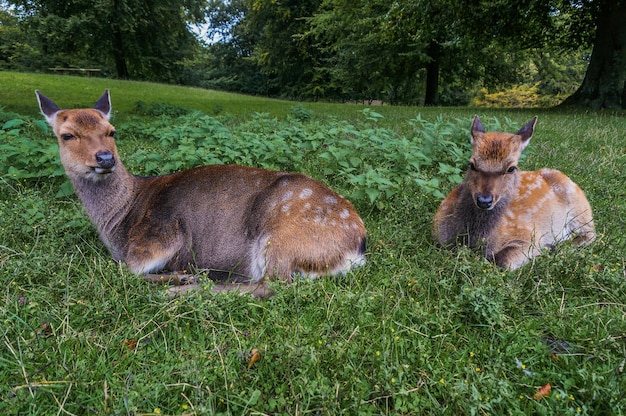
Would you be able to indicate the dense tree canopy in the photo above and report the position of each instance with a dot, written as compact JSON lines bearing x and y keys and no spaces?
{"x":435,"y":52}
{"x":417,"y":52}
{"x":134,"y":38}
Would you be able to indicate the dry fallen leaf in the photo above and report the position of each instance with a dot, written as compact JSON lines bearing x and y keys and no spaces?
{"x":543,"y":391}
{"x":46,"y":329}
{"x":254,"y":357}
{"x":131,"y":343}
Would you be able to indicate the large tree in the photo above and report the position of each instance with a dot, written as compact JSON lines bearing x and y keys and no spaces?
{"x":408,"y":51}
{"x":139,"y":39}
{"x":604,"y":85}
{"x":567,"y":25}
{"x":365,"y":53}
{"x":286,"y":59}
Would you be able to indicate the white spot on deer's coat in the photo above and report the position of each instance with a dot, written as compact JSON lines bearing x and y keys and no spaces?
{"x":258,"y":255}
{"x":320,"y":220}
{"x":305,"y":193}
{"x":330,"y":200}
{"x":344,"y":214}
{"x":152,"y":265}
{"x":287,"y":196}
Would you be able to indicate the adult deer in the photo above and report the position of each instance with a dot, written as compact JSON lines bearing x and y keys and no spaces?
{"x":511,"y":214}
{"x":239,"y":224}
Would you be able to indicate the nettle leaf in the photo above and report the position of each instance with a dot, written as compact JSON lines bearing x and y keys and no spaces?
{"x":371,"y":114}
{"x":355,"y":161}
{"x":372,"y":194}
{"x":12,"y":123}
{"x":66,"y":189}
{"x":43,"y":125}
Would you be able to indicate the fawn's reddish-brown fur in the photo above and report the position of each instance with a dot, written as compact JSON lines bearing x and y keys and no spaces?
{"x":241,"y":225}
{"x":511,"y":214}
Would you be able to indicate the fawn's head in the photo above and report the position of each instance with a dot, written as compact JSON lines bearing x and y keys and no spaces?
{"x":86,"y":138}
{"x":492,"y":175}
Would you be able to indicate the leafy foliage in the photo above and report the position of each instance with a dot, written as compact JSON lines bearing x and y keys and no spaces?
{"x":370,"y":162}
{"x":25,"y":153}
{"x":124,"y":38}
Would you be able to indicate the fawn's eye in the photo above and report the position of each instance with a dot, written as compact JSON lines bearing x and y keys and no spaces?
{"x":112,"y":133}
{"x":472,"y":166}
{"x":511,"y":169}
{"x":67,"y":136}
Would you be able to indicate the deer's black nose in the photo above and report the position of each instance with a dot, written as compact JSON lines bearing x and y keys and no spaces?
{"x":105,"y":159}
{"x":484,"y":201}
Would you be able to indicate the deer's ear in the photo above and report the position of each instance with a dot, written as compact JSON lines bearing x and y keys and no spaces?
{"x":47,"y":107}
{"x":477,"y":128}
{"x":527,"y":131}
{"x":104,"y":104}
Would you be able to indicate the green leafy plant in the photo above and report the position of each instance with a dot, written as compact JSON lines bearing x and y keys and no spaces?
{"x":482,"y":305}
{"x":374,"y":161}
{"x":25,"y":152}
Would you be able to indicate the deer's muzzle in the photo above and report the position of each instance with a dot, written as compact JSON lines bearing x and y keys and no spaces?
{"x":484,"y":201}
{"x":105,"y":161}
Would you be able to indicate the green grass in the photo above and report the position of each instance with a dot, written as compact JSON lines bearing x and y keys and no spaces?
{"x":18,"y":92}
{"x":418,"y":330}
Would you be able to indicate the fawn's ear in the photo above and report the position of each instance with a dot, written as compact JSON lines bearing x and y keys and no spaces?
{"x":104,"y":104}
{"x":526,"y":132}
{"x":47,"y":107}
{"x":477,"y":127}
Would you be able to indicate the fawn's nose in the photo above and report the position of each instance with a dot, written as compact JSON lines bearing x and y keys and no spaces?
{"x":484,"y":201}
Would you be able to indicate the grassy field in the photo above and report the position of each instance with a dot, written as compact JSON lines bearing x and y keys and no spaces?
{"x":417,"y":330}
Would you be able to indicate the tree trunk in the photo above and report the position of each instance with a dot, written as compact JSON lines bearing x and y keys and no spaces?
{"x":604,"y":85}
{"x":119,"y":53}
{"x":431,"y":96}
{"x":118,"y":56}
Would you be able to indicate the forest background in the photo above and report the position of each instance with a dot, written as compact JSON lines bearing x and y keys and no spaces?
{"x":437,"y":52}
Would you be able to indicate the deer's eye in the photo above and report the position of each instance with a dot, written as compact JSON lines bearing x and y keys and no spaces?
{"x":68,"y":136}
{"x":112,"y":133}
{"x":511,"y":169}
{"x":472,"y":166}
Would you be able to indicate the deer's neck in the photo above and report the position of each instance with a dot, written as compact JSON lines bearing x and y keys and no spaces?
{"x":108,"y":201}
{"x":479,"y":223}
